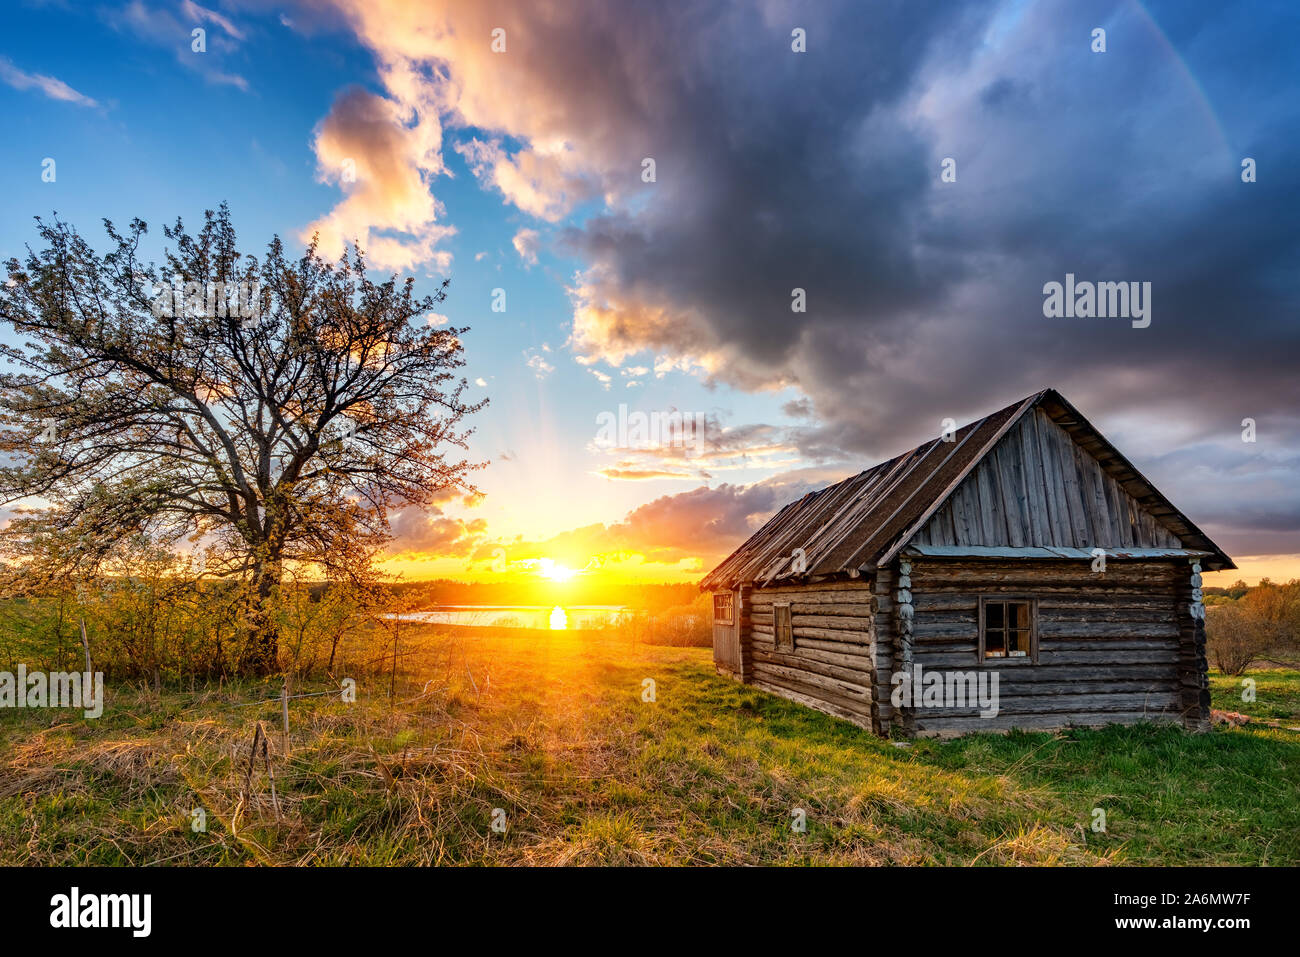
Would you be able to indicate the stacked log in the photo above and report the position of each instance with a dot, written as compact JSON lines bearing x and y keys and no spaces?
{"x":1119,"y":647}
{"x":831,"y":666}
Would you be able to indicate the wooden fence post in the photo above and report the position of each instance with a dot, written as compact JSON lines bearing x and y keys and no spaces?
{"x":259,"y":737}
{"x":85,"y":643}
{"x":392,"y":679}
{"x":284,"y":707}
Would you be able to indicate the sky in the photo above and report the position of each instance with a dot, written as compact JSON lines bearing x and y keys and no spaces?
{"x":816,"y":232}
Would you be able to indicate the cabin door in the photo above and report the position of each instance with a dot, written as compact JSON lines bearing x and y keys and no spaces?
{"x":726,"y":631}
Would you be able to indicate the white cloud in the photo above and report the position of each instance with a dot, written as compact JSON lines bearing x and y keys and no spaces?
{"x":51,"y":86}
{"x":158,"y":25}
{"x":204,"y":15}
{"x":541,"y":368}
{"x":526,"y":242}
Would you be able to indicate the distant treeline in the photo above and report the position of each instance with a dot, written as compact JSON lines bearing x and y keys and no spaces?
{"x":653,"y":598}
{"x":1234,"y":591}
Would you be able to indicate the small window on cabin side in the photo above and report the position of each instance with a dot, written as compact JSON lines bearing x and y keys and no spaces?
{"x":782,"y":628}
{"x":723,"y":608}
{"x":1007,"y":628}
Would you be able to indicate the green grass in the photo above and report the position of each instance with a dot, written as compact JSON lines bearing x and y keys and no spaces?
{"x":553,"y":731}
{"x":1277,"y":694}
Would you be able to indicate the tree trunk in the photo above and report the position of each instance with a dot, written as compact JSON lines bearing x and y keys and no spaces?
{"x":263,"y":653}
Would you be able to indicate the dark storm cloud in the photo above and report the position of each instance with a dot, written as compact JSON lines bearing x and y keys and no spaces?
{"x":821,"y":171}
{"x":925,"y":298}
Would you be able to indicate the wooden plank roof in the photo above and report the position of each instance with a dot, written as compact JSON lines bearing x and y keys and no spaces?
{"x":1029,"y":552}
{"x":865,"y":520}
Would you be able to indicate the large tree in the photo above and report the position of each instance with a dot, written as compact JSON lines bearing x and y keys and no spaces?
{"x":278,"y":408}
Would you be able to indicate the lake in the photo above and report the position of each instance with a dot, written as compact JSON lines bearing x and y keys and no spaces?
{"x":554,"y":617}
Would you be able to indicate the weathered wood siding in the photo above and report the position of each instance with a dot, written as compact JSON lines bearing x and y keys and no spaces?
{"x":832,"y":665}
{"x":1112,"y":647}
{"x":1038,"y":487}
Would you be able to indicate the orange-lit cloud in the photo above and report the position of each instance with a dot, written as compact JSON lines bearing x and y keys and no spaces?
{"x":384,"y":155}
{"x":642,"y":475}
{"x":432,"y":535}
{"x":695,"y":447}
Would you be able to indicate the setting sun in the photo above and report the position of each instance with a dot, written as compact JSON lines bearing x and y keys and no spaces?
{"x":555,"y":571}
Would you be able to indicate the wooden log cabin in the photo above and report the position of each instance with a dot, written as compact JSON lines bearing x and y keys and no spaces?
{"x":1023,"y":546}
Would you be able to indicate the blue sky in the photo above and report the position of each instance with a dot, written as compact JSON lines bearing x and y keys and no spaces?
{"x":776,"y":170}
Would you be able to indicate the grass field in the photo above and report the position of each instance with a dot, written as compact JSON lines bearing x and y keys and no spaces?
{"x":551,"y":729}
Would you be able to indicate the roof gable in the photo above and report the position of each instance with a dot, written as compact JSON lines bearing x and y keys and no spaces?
{"x":1038,"y":487}
{"x":867,"y":519}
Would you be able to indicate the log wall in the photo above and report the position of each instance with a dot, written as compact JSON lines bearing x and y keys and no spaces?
{"x":1116,"y":646}
{"x":832,"y":666}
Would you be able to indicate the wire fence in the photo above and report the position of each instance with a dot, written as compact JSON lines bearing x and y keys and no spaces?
{"x":279,"y":698}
